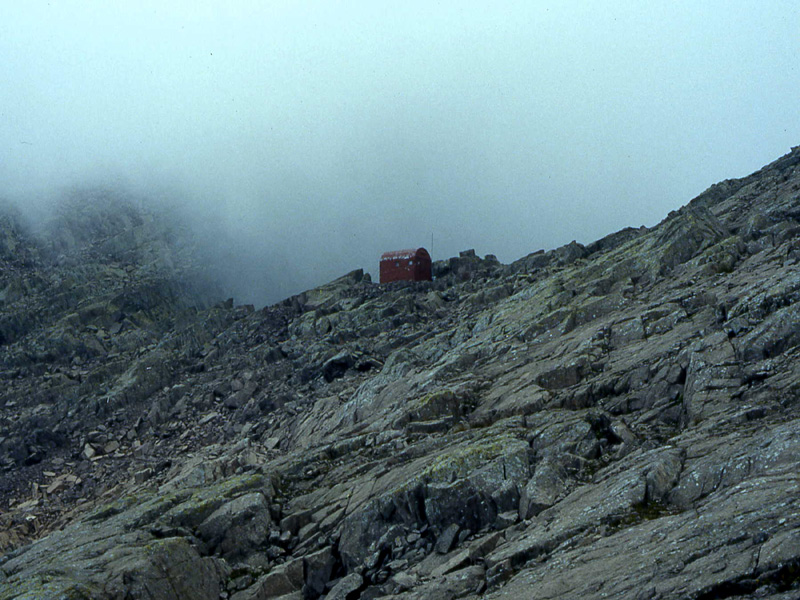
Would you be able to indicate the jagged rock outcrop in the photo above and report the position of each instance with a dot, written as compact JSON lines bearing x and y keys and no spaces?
{"x":612,"y":420}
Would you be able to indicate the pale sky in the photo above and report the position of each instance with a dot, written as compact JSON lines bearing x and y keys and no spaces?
{"x":320,"y":134}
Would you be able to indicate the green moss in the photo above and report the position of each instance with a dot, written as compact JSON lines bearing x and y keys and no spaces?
{"x":203,"y":501}
{"x":649,"y":511}
{"x":114,"y":508}
{"x":230,"y":487}
{"x":194,"y":510}
{"x":183,"y":507}
{"x":242,"y":570}
{"x":42,"y":588}
{"x":434,"y":405}
{"x":459,"y":461}
{"x":243,"y":483}
{"x":723,"y":257}
{"x":641,"y":512}
{"x":434,"y":398}
{"x":163,"y":546}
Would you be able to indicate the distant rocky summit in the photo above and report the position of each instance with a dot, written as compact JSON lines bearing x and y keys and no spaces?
{"x":618,"y":420}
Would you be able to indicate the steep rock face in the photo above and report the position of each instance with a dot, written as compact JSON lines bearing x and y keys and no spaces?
{"x":616,"y":420}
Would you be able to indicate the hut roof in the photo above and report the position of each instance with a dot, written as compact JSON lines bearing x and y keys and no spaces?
{"x":404,"y":254}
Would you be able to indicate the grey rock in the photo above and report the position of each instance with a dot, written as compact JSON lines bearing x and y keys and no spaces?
{"x":318,"y":568}
{"x":237,"y":527}
{"x":460,"y":502}
{"x":337,"y":366}
{"x":464,"y":583}
{"x":280,"y":582}
{"x":548,"y":484}
{"x":459,"y":561}
{"x":448,"y":539}
{"x":347,"y":588}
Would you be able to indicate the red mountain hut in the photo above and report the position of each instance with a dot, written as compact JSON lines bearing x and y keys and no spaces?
{"x":406,"y":265}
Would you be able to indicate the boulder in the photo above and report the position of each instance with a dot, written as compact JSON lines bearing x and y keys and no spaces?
{"x":238,"y":527}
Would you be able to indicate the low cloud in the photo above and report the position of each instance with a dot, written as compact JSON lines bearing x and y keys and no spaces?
{"x":302,"y":140}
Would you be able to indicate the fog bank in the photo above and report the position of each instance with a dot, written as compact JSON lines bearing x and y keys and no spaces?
{"x":305,"y":138}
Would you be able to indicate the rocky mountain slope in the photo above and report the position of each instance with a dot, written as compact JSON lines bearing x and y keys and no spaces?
{"x":612,"y":421}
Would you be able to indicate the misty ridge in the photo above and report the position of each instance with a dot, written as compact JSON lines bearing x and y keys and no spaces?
{"x":256,"y":253}
{"x":165,"y":233}
{"x":287,"y":143}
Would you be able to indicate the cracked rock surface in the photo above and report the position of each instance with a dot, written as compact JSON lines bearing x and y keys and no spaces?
{"x":617,"y":420}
